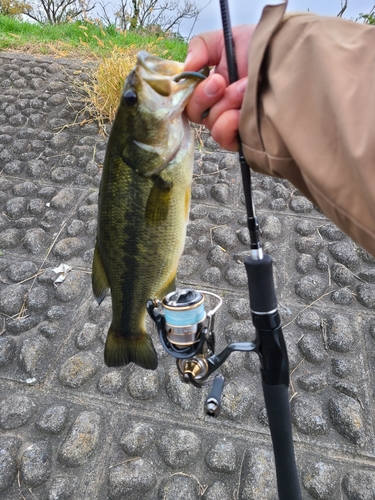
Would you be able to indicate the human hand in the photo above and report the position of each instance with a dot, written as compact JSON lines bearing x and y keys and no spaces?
{"x":215,"y":94}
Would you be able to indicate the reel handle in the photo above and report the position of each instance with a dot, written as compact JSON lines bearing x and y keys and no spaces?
{"x":213,"y":402}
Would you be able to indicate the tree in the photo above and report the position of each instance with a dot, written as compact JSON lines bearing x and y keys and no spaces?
{"x":12,"y":7}
{"x":166,"y":15}
{"x":57,"y":11}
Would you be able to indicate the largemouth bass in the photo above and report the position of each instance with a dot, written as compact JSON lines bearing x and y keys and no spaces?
{"x":144,"y":201}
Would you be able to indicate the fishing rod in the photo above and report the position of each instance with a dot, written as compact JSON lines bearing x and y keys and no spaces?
{"x":186,"y":330}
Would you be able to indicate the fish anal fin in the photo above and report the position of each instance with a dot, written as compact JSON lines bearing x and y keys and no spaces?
{"x":157,"y":206}
{"x":99,"y":278}
{"x":121,"y":349}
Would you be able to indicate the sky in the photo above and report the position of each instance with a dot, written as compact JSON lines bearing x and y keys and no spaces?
{"x":248,"y":12}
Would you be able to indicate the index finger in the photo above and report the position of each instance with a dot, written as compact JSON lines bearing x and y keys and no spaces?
{"x":204,"y":50}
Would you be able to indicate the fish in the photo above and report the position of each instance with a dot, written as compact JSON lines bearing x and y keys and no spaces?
{"x":144,"y":201}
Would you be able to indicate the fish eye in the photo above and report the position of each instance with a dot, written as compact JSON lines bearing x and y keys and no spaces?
{"x":130,"y":97}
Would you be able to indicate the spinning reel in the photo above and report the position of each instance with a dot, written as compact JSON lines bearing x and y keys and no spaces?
{"x":186,"y":332}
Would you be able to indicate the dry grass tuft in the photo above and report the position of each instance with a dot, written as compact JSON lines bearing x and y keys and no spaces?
{"x":102,"y":91}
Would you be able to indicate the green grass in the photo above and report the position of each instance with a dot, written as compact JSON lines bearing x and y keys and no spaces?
{"x":82,"y":38}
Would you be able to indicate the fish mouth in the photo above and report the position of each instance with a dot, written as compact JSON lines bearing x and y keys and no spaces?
{"x":167,"y":77}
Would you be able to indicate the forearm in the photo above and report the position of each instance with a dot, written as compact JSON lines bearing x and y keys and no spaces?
{"x":308,"y":113}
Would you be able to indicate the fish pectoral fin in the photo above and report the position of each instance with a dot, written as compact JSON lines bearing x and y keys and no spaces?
{"x":99,"y":278}
{"x":158,"y":202}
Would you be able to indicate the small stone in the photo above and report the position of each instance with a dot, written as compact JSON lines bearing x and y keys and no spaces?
{"x":366,"y":295}
{"x":178,"y":392}
{"x":339,"y":334}
{"x":180,"y":488}
{"x":75,"y":228}
{"x":216,"y":491}
{"x":222,"y":457}
{"x":305,"y":228}
{"x":87,"y":335}
{"x":343,"y":297}
{"x":341,"y":275}
{"x":359,"y":485}
{"x":346,"y":416}
{"x":131,"y":480}
{"x":10,"y":238}
{"x":278,"y":205}
{"x":143,"y":384}
{"x":220,"y":193}
{"x":308,"y":417}
{"x":69,"y":247}
{"x":137,"y":440}
{"x":198,"y":192}
{"x":88,"y":212}
{"x":110,"y":383}
{"x":300,"y":205}
{"x":345,"y":253}
{"x":221,"y":216}
{"x":322,"y":262}
{"x":271,"y":227}
{"x":178,"y":448}
{"x":258,"y":475}
{"x":63,"y":199}
{"x":311,"y":244}
{"x":62,"y":488}
{"x":312,"y":349}
{"x":239,"y":309}
{"x":16,"y":411}
{"x":217,"y":257}
{"x":341,"y":367}
{"x":15,"y":207}
{"x":198,"y":212}
{"x":55,"y":313}
{"x":81,"y":441}
{"x":313,"y":383}
{"x":310,"y":288}
{"x":7,"y":351}
{"x":321,"y":480}
{"x":202,"y":243}
{"x":225,"y":237}
{"x":259,"y":197}
{"x":309,"y":320}
{"x":236,"y":275}
{"x":17,"y":326}
{"x":331,"y":232}
{"x":8,"y":468}
{"x":280,"y":191}
{"x":12,"y":298}
{"x":63,"y":174}
{"x":24,"y":189}
{"x":239,"y":331}
{"x":53,"y":420}
{"x":243,"y":236}
{"x":33,"y":351}
{"x":71,"y":288}
{"x":348,"y":389}
{"x":367,"y":275}
{"x":78,"y":369}
{"x":305,"y":263}
{"x":212,"y":275}
{"x":35,"y":240}
{"x":237,"y":399}
{"x":38,"y":299}
{"x":35,"y":465}
{"x":188,"y":265}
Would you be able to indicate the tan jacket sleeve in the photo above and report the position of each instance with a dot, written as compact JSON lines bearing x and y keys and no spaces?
{"x":309,"y":113}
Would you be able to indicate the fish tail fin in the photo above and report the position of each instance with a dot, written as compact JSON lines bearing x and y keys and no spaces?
{"x":120,"y":350}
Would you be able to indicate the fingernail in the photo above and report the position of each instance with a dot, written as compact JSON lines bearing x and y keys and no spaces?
{"x":205,"y":114}
{"x":188,"y":57}
{"x":211,"y":88}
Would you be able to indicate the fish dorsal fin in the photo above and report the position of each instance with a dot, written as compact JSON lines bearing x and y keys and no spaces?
{"x":99,"y":278}
{"x":158,"y":202}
